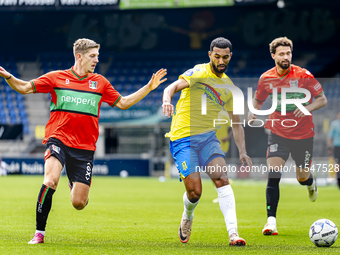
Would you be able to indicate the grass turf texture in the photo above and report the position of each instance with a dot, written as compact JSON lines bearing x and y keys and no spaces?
{"x":142,"y":215}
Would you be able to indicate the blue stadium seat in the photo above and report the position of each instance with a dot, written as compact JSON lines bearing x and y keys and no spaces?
{"x":19,"y":97}
{"x":8,"y":89}
{"x":2,"y":112}
{"x":20,"y":106}
{"x":26,"y":129}
{"x":118,"y":86}
{"x":22,"y":114}
{"x":24,"y":120}
{"x":129,"y":88}
{"x":3,"y":119}
{"x":137,"y":86}
{"x":10,"y":107}
{"x":13,"y":118}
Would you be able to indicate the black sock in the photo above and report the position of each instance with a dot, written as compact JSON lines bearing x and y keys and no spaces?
{"x":309,"y":181}
{"x":44,"y":204}
{"x":273,"y":193}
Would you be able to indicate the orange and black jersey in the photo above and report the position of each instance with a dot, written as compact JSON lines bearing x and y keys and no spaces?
{"x":295,"y":77}
{"x":75,"y":106}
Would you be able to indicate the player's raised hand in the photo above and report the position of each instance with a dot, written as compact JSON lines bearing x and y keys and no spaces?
{"x":251,"y":118}
{"x":245,"y":158}
{"x":156,"y":79}
{"x":4,"y":73}
{"x":168,"y":109}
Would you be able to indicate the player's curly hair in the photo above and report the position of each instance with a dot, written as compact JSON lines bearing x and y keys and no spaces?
{"x":281,"y":41}
{"x":83,"y":45}
{"x":220,"y":42}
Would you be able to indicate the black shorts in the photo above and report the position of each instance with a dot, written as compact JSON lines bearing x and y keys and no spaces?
{"x":337,"y":154}
{"x":301,"y":150}
{"x":78,"y":163}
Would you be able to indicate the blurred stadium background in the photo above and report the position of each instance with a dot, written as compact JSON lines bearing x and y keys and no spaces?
{"x":138,"y":37}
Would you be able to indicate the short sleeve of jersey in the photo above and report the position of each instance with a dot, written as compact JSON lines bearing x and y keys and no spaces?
{"x":312,"y":84}
{"x":110,"y":95}
{"x":45,"y":83}
{"x":191,"y":73}
{"x":261,"y":94}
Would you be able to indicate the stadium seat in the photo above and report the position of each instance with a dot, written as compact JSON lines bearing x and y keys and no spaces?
{"x":26,"y":129}
{"x":8,"y":89}
{"x":2,"y":113}
{"x":13,"y":117}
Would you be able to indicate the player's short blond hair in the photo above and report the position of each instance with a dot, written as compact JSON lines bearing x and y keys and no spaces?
{"x":281,"y":41}
{"x":83,"y":45}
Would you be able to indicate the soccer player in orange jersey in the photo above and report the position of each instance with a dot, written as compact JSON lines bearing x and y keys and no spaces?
{"x":72,"y":130}
{"x":295,"y":136}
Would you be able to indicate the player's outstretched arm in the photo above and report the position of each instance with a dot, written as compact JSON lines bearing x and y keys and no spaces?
{"x":156,"y":79}
{"x":239,"y":139}
{"x":23,"y":87}
{"x":169,"y":92}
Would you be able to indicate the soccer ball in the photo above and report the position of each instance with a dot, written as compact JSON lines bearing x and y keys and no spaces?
{"x":323,"y":233}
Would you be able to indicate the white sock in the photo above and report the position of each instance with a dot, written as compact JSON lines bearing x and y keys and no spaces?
{"x":271,"y":220}
{"x":40,"y":231}
{"x":188,"y":207}
{"x":227,"y":204}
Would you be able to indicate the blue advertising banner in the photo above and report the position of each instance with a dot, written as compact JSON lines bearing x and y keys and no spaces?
{"x":134,"y":167}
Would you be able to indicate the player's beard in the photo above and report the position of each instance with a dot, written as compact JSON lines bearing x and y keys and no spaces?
{"x":284,"y":65}
{"x":218,"y":70}
{"x":90,"y":70}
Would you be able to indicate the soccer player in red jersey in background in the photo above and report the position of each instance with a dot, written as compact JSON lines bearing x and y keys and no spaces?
{"x":297,"y":137}
{"x":72,"y":130}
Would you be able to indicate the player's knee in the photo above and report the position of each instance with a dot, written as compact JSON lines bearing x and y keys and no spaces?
{"x":301,"y":180}
{"x":51,"y":183}
{"x":194,"y":195}
{"x":220,"y":182}
{"x":79,"y":204}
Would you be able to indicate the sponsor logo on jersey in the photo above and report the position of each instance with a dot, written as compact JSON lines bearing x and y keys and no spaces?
{"x":93,"y":84}
{"x":78,"y":100}
{"x":189,"y":72}
{"x":67,"y":81}
{"x":307,"y":158}
{"x":56,"y":148}
{"x":294,"y":84}
{"x":184,"y":165}
{"x":273,"y":147}
{"x":88,"y":171}
{"x":47,"y":154}
{"x":212,"y":94}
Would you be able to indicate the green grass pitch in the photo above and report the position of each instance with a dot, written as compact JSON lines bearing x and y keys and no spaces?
{"x":142,"y":215}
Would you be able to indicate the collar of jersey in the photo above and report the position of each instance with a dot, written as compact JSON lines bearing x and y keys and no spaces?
{"x":78,"y":76}
{"x":285,"y":74}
